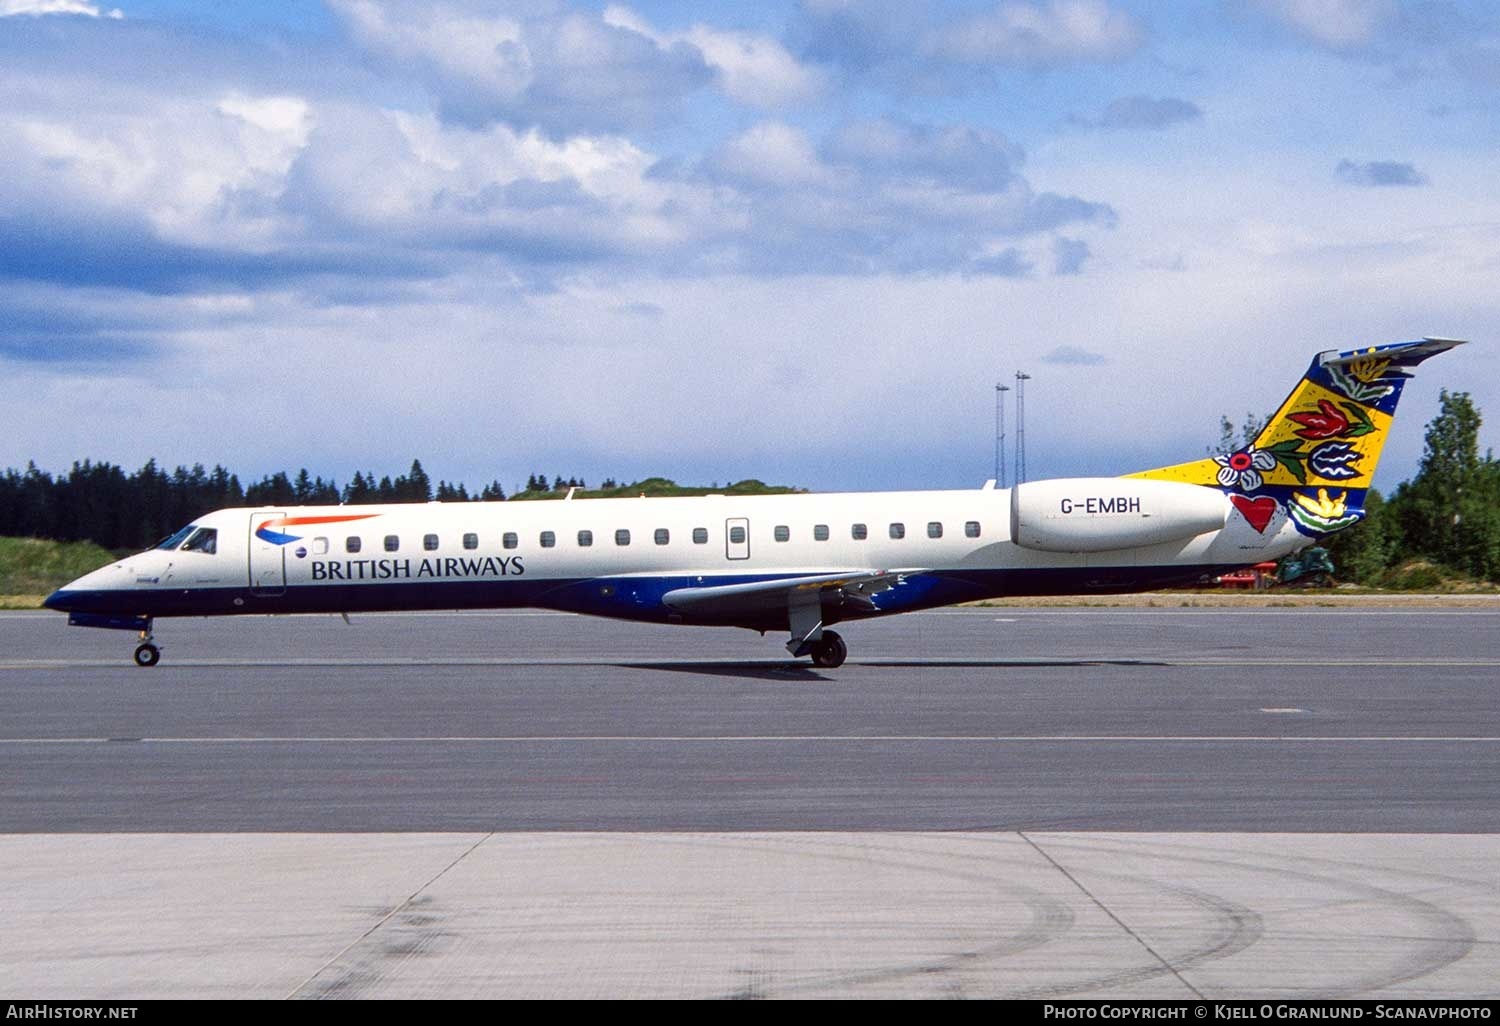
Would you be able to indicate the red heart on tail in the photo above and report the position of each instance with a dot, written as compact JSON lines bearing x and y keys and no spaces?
{"x":1257,"y":512}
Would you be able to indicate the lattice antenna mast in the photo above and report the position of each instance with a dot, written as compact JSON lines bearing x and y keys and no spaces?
{"x":1000,"y":391}
{"x":1021,"y":380}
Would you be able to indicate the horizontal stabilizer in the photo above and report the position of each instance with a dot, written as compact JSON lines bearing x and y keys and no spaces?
{"x":1399,"y":354}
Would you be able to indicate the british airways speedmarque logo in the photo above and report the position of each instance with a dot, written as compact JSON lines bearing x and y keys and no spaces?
{"x":266,"y":532}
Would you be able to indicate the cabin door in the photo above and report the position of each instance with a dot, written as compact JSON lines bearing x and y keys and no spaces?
{"x":737,"y":538}
{"x":267,"y":555}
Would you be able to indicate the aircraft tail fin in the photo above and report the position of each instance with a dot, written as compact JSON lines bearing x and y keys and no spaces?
{"x":1317,"y":453}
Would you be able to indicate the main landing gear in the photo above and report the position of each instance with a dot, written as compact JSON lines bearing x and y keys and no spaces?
{"x":146,"y":653}
{"x":829,"y":651}
{"x":805,"y":617}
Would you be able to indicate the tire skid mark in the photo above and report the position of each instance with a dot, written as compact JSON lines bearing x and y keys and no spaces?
{"x":1236,"y":927}
{"x":411,"y":929}
{"x":1447,"y":937}
{"x":1049,"y":918}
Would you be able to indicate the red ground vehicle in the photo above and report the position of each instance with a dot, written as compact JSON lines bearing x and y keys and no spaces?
{"x":1261,"y":575}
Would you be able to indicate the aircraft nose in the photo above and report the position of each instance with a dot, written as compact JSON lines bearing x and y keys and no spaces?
{"x":60,"y":600}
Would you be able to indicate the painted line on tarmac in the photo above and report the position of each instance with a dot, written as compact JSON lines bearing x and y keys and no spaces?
{"x":1135,"y":613}
{"x":1138,"y":611}
{"x":1317,"y":660}
{"x":774,"y":739}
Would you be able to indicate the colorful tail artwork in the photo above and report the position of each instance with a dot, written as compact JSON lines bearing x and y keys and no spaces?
{"x":1316,"y":456}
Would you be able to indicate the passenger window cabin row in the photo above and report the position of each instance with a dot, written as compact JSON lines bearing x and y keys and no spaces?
{"x":661,"y":536}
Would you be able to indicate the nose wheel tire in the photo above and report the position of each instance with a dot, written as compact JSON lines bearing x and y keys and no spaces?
{"x":829,"y":651}
{"x":147,"y":654}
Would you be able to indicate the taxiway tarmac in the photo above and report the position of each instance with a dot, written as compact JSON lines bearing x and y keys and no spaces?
{"x":1110,"y":802}
{"x":1155,"y":719}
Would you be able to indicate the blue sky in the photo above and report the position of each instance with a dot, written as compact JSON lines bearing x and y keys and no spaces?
{"x":798,"y":241}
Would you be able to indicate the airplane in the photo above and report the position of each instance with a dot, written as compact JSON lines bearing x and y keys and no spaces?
{"x":799,"y":563}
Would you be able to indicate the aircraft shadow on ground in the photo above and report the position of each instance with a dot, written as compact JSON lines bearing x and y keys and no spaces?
{"x":756,"y":670}
{"x":777,"y":670}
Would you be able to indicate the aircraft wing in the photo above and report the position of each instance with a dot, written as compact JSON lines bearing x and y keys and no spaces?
{"x":855,"y":587}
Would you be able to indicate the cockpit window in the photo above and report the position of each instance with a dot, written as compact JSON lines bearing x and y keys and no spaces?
{"x":171,"y":541}
{"x":205,"y":540}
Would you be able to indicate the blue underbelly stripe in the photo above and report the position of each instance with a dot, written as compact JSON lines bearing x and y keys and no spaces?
{"x":633,"y":598}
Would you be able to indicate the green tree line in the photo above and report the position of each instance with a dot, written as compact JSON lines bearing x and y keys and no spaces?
{"x":100,"y":502}
{"x":1446,"y":518}
{"x":1448,"y":515}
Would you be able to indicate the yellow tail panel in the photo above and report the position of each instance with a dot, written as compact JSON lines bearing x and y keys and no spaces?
{"x":1317,"y":454}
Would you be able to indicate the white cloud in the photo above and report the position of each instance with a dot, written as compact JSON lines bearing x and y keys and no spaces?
{"x":756,"y":70}
{"x":978,"y":158}
{"x":386,"y":178}
{"x":753,"y":69}
{"x":195,"y":171}
{"x":318,"y":182}
{"x":283,"y":117}
{"x":485,"y":51}
{"x":882,"y":195}
{"x":1336,"y":23}
{"x":535,"y":267}
{"x":536,"y":63}
{"x":772,"y":153}
{"x":1025,"y":33}
{"x":237,"y":185}
{"x":9,"y":8}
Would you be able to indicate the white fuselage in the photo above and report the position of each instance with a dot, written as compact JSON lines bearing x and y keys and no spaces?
{"x":618,"y":557}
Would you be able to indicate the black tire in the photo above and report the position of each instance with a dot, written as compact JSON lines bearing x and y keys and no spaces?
{"x":830,"y":651}
{"x":147,"y":654}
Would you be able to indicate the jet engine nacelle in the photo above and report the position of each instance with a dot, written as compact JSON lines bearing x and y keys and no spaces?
{"x":1096,"y":514}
